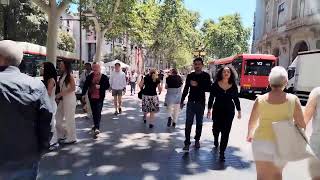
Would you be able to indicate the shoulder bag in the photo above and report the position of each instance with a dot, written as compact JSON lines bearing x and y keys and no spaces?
{"x":291,"y":141}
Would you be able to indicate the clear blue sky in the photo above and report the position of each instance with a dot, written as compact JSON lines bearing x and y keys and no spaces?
{"x":213,"y":9}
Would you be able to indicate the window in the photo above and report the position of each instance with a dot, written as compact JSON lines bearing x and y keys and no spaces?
{"x":237,"y":64}
{"x":267,"y":16}
{"x":301,"y":8}
{"x":281,"y":14}
{"x":318,"y":44}
{"x":291,"y":73}
{"x":258,"y":67}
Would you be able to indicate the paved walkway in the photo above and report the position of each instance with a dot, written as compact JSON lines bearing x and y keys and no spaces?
{"x":128,"y":149}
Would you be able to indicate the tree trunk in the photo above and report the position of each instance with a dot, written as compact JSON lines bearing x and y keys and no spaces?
{"x":53,"y":19}
{"x":99,"y":36}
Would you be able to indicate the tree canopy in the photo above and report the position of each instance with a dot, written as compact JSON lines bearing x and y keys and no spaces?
{"x":166,"y":28}
{"x":25,"y":22}
{"x":66,"y":41}
{"x":109,"y":17}
{"x":227,"y":37}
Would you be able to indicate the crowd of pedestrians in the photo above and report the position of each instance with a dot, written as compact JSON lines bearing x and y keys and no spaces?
{"x":42,"y":114}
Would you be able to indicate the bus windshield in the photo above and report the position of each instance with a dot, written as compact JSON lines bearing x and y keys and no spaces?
{"x":258,"y":67}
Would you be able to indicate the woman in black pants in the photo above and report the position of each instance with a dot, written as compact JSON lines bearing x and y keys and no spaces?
{"x":224,"y":93}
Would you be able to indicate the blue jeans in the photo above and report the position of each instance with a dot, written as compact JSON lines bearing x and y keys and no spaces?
{"x":194,"y":109}
{"x":27,"y":170}
{"x":133,"y":87}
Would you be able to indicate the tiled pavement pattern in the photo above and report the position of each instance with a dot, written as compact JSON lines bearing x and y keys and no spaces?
{"x":128,"y":150}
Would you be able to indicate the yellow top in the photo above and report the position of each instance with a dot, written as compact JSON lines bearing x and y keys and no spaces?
{"x":269,"y":113}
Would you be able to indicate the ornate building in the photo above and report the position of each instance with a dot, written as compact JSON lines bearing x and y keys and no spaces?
{"x":285,"y":27}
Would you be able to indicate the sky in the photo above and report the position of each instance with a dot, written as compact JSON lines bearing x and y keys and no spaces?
{"x":213,"y":9}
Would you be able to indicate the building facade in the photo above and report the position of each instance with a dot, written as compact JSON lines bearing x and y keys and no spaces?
{"x":285,"y":27}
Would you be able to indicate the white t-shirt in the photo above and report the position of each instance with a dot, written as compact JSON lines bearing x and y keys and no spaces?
{"x":118,"y":80}
{"x":134,"y":77}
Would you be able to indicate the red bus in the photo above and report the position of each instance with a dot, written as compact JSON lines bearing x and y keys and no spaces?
{"x":252,"y":69}
{"x":34,"y":55}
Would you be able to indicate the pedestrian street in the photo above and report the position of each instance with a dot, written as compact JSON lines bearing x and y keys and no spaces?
{"x":128,"y":149}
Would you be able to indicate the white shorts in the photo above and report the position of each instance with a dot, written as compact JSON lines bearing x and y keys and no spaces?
{"x":266,"y":151}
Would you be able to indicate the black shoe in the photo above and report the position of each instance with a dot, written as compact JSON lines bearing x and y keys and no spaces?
{"x":222,"y":158}
{"x":144,"y":119}
{"x":216,"y":144}
{"x":116,"y":113}
{"x":174,"y":125}
{"x":68,"y":142}
{"x":169,"y":121}
{"x":120,"y":110}
{"x":150,"y":126}
{"x":96,"y":132}
{"x":186,"y":148}
{"x":54,"y":147}
{"x":197,"y":145}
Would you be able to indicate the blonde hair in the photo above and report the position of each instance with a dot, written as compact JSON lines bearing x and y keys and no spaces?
{"x":278,"y":77}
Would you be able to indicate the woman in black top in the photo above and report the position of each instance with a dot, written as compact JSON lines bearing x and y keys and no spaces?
{"x":224,"y":93}
{"x":150,"y":100}
{"x":173,"y":97}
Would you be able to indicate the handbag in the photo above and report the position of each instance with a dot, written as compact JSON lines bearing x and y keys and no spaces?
{"x":140,"y":94}
{"x":291,"y":142}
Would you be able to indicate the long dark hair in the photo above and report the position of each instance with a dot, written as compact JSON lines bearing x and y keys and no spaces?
{"x":49,"y":71}
{"x":233,"y":76}
{"x":67,"y":71}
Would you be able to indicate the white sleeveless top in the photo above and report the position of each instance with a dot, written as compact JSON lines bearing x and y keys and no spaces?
{"x":71,"y":97}
{"x":53,"y":99}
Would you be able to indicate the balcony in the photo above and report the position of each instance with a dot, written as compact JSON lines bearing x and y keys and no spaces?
{"x":312,"y":17}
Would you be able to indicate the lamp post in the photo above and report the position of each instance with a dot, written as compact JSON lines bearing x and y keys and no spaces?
{"x":5,"y":4}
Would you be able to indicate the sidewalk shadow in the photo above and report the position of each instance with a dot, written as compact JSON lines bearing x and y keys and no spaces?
{"x":128,"y":149}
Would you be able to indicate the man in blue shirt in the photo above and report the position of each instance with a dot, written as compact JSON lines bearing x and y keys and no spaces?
{"x":26,"y":113}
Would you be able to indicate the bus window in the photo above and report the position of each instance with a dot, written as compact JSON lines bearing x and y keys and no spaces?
{"x":237,"y":64}
{"x":258,"y":67}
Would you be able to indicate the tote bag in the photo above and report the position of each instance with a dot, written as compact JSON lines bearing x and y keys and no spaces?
{"x":291,"y":141}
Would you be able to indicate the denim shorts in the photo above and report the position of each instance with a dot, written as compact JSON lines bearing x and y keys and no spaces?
{"x":117,"y":92}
